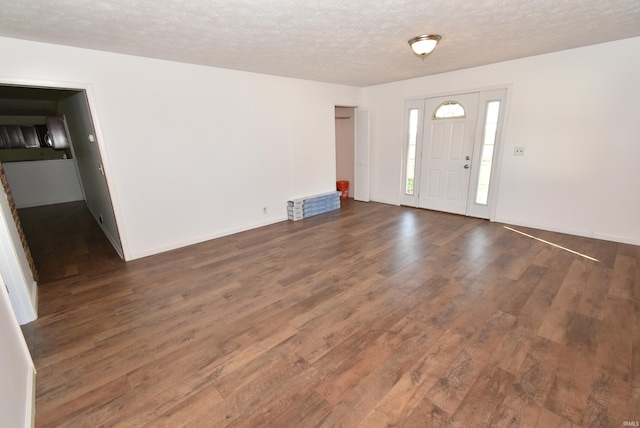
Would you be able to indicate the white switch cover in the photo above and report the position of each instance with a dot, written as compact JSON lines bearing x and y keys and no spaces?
{"x":518,"y":151}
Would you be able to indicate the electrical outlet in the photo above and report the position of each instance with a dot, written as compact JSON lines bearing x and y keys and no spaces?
{"x":518,"y":151}
{"x":265,"y":210}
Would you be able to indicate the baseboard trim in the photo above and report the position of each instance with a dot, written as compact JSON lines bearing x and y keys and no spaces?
{"x":576,"y":232}
{"x":227,"y":232}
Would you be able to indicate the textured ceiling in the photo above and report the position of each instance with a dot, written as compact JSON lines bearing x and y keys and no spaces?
{"x":356,"y":42}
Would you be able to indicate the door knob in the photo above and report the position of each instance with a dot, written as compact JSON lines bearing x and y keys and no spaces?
{"x":466,"y":166}
{"x":467,"y":158}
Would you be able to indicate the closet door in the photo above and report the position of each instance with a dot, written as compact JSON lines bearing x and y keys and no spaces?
{"x":361,"y":185}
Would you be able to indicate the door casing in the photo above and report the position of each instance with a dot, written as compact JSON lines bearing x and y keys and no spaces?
{"x":473,"y":209}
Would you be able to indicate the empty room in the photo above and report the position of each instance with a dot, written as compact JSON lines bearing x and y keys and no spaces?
{"x":480,"y":268}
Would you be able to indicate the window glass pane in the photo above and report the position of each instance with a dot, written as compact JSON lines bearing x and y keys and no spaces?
{"x":449,"y":110}
{"x":411,"y":151}
{"x":486,"y":159}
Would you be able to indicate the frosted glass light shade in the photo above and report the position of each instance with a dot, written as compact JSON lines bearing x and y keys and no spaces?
{"x":424,"y":45}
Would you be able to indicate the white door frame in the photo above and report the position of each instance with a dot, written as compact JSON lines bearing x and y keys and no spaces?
{"x":17,"y":276}
{"x":95,"y":118}
{"x":23,"y":290}
{"x":497,"y":93}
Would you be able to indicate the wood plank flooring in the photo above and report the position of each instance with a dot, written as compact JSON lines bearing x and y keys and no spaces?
{"x":371,"y":316}
{"x":65,"y":241}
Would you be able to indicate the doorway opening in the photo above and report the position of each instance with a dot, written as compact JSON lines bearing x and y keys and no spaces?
{"x":345,"y":147}
{"x":352,"y":150}
{"x":41,"y":172}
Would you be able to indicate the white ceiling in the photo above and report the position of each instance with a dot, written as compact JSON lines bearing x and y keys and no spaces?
{"x":353,"y":42}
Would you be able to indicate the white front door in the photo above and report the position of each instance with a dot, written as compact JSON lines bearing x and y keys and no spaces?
{"x":448,"y":136}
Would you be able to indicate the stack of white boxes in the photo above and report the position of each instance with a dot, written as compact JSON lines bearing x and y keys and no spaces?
{"x":297,"y":209}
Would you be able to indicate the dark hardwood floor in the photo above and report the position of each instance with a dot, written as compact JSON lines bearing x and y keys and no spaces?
{"x":66,"y":241}
{"x":370,"y":316}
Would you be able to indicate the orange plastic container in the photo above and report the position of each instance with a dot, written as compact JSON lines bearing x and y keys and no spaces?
{"x":343,"y":186}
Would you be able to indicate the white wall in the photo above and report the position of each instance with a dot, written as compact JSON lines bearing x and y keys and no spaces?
{"x":43,"y":182}
{"x":576,"y":114}
{"x":17,"y":392}
{"x":193,"y":152}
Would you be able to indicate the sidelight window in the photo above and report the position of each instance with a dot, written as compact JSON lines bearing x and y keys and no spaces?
{"x":409,"y":185}
{"x":487,"y":152}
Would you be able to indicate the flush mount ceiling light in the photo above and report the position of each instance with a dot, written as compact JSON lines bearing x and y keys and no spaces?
{"x":424,"y":45}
